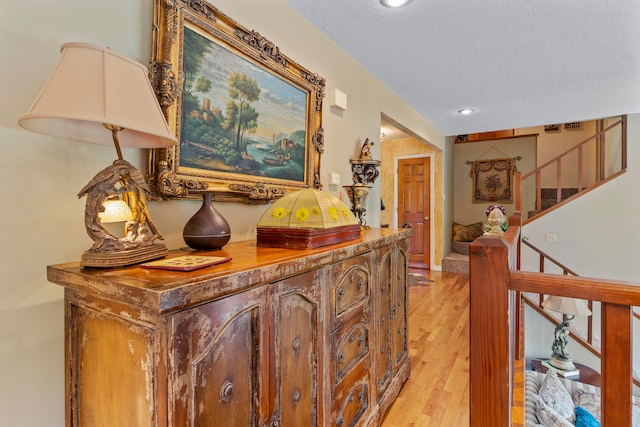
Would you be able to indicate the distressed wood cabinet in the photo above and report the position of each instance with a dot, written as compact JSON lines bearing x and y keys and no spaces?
{"x":275,"y":337}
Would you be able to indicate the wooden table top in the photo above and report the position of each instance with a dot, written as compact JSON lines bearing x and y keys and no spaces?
{"x":587,"y":375}
{"x":163,"y":291}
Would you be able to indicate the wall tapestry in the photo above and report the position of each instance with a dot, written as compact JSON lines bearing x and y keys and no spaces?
{"x":493,"y":180}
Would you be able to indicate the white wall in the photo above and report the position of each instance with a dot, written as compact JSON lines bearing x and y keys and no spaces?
{"x":42,"y":219}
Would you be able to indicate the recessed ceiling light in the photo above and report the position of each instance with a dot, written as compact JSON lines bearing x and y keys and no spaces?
{"x":466,"y":111}
{"x":394,"y":3}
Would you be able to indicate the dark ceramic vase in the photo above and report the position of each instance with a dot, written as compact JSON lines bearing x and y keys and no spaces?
{"x":207,"y":229}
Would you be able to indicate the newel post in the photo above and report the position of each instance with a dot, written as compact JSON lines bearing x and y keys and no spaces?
{"x":491,"y":345}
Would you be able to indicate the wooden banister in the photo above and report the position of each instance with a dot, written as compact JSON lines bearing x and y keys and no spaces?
{"x":494,"y":281}
{"x":492,"y":344}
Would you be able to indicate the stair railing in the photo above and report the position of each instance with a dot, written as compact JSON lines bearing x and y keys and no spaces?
{"x":536,"y":304}
{"x":494,"y":329}
{"x":600,"y":174}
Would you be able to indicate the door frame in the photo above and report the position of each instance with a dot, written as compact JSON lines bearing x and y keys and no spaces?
{"x":396,"y":160}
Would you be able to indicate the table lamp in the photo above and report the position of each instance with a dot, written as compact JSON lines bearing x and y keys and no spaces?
{"x":98,"y":96}
{"x":569,"y":307}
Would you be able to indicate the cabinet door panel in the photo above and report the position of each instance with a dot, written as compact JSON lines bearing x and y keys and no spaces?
{"x":383,"y":315}
{"x":218,"y":349}
{"x":297,"y":345}
{"x":400,"y":345}
{"x":225,"y":375}
{"x":114,"y":360}
{"x":350,"y":344}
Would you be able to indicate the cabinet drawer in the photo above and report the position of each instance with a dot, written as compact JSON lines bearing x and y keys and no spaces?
{"x":352,"y":401}
{"x":350,"y":286}
{"x":349,"y":345}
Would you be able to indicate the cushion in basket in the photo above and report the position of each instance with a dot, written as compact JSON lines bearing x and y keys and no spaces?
{"x":588,"y":401}
{"x":534,"y":379}
{"x":591,"y":403}
{"x":554,"y":394}
{"x":466,"y":233}
{"x":549,"y":416}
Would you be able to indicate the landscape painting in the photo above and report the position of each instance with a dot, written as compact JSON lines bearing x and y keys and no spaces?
{"x":248,"y":118}
{"x":237,"y":117}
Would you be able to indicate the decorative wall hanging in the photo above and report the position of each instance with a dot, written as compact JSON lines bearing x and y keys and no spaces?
{"x":248,"y":118}
{"x":493,"y":180}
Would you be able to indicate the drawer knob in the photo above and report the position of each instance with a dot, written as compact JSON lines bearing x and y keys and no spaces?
{"x":340,"y":293}
{"x":225,"y":391}
{"x":296,"y":344}
{"x":296,"y":396}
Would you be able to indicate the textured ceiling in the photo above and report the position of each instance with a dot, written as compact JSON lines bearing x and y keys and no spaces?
{"x":518,"y":63}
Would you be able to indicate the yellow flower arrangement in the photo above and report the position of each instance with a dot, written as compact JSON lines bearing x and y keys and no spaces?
{"x":302,"y":214}
{"x":278,"y":213}
{"x":333,"y":213}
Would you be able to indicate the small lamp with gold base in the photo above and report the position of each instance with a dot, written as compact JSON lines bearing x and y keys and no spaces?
{"x":570,"y":307}
{"x":98,"y":96}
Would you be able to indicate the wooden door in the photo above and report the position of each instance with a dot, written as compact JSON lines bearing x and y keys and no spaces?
{"x":414,"y":206}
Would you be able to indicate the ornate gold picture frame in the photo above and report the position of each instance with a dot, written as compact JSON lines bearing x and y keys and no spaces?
{"x":248,"y":118}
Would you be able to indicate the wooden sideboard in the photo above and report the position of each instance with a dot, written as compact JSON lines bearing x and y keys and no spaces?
{"x":273,"y":338}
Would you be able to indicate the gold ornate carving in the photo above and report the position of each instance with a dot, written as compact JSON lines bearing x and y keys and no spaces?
{"x":318,"y":141}
{"x":170,"y":186}
{"x":203,"y":8}
{"x":258,"y":193}
{"x":264,"y":47}
{"x":164,"y":81}
{"x":319,"y":84}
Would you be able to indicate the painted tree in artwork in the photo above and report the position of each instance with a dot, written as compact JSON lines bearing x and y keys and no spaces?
{"x":196,"y":47}
{"x":243,"y":90}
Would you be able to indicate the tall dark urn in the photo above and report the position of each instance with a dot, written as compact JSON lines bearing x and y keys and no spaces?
{"x":207,"y":229}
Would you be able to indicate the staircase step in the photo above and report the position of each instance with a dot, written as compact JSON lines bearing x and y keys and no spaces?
{"x":460,"y":247}
{"x":552,"y":193}
{"x":456,"y":263}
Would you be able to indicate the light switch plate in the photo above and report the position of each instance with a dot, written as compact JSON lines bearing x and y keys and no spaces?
{"x":335,"y":178}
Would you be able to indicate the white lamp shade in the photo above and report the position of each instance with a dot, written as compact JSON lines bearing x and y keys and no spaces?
{"x":566,"y":305}
{"x":92,"y":86}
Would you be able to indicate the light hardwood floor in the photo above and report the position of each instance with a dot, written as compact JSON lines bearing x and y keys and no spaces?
{"x":437,"y":393}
